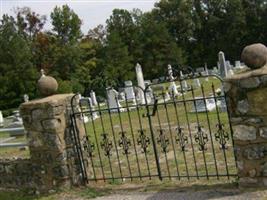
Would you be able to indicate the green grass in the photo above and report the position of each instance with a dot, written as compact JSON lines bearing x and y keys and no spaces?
{"x":9,"y":152}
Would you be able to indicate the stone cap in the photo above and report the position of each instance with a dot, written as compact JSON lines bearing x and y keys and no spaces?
{"x":52,"y":100}
{"x":248,"y":74}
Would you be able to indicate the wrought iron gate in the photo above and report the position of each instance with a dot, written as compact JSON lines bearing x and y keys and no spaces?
{"x":185,"y":135}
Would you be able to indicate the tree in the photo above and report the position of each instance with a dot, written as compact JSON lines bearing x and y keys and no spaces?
{"x":66,"y":24}
{"x":29,"y":23}
{"x":18,"y":76}
{"x":118,"y":67}
{"x":177,"y":16}
{"x":158,"y":49}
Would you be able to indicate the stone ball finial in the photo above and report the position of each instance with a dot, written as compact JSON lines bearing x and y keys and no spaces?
{"x":47,"y":85}
{"x":254,"y":55}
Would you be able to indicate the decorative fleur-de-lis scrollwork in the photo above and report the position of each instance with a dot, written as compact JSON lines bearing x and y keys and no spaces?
{"x":163,"y":141}
{"x":143,"y":140}
{"x":124,"y":142}
{"x":106,"y":144}
{"x":88,"y":146}
{"x":221,"y":136}
{"x":181,"y":139}
{"x":201,"y":138}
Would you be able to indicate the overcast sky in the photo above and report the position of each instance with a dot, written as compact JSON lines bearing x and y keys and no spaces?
{"x":92,"y":12}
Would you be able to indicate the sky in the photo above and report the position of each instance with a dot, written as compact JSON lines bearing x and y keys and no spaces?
{"x":91,"y":12}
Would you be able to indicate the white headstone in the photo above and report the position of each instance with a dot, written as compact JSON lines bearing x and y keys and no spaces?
{"x":197,"y":83}
{"x":237,"y":63}
{"x":129,"y":91}
{"x":222,"y":65}
{"x":93,"y":98}
{"x":141,"y":83}
{"x":1,"y":119}
{"x":172,"y":88}
{"x":167,"y":97}
{"x":113,"y":100}
{"x":26,"y":98}
{"x":184,"y":83}
{"x":206,"y":72}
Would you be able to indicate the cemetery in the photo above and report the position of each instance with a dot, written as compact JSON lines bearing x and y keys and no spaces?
{"x":139,"y":103}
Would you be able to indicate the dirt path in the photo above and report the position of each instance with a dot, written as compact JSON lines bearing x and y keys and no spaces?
{"x":184,"y":195}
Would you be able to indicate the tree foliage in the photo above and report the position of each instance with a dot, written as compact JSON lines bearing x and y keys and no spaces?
{"x":176,"y":32}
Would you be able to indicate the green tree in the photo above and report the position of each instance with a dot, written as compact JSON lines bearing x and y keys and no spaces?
{"x":66,"y":24}
{"x":158,"y":48}
{"x":118,"y":66}
{"x":18,"y":75}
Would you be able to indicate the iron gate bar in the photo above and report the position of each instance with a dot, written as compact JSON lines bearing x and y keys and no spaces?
{"x":189,"y":129}
{"x":142,"y":135}
{"x":200,"y":134}
{"x":77,"y":141}
{"x":131,"y":127}
{"x":106,"y":142}
{"x":88,"y":143}
{"x":96,"y":141}
{"x":162,"y":140}
{"x":210,"y":132}
{"x":219,"y":121}
{"x":171,"y":135}
{"x":153,"y":137}
{"x":122,"y":131}
{"x":178,"y":129}
{"x":114,"y":140}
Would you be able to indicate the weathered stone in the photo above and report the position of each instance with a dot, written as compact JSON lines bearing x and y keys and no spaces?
{"x":236,"y":119}
{"x":243,"y":106}
{"x":226,"y":86}
{"x":252,"y":173}
{"x":257,"y":101}
{"x":251,"y":82}
{"x":263,"y":132}
{"x":51,"y":124}
{"x":240,"y":165}
{"x":254,"y":153}
{"x":243,"y":132}
{"x":253,"y":120}
{"x":264,"y":169}
{"x":255,"y":55}
{"x":263,"y":79}
{"x":47,"y":85}
{"x":247,"y":180}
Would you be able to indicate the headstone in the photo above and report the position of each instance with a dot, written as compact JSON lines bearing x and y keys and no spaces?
{"x":129,"y":91}
{"x":222,"y":65}
{"x":172,"y":88}
{"x":26,"y":98}
{"x":1,"y":119}
{"x":113,"y":101}
{"x":237,"y":63}
{"x":93,"y":98}
{"x":184,"y":83}
{"x":88,"y":103}
{"x":197,"y":83}
{"x":206,"y":72}
{"x":228,"y":65}
{"x":167,"y":97}
{"x":141,"y":83}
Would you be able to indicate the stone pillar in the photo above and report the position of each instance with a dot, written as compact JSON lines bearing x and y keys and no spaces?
{"x":247,"y":102}
{"x":48,"y":125}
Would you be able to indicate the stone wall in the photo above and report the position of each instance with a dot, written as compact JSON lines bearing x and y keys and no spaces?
{"x":53,"y":161}
{"x":247,"y":102}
